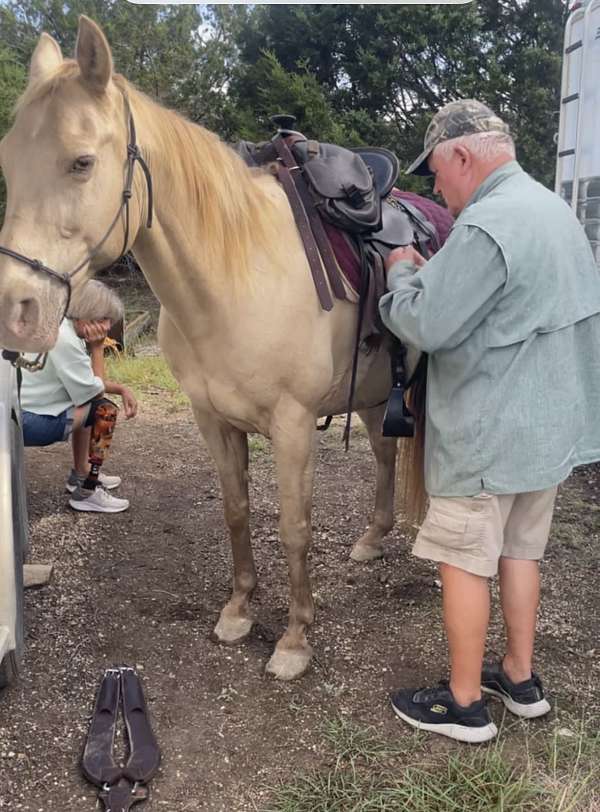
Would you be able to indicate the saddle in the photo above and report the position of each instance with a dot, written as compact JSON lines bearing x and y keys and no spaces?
{"x":351,"y":189}
{"x":352,"y":192}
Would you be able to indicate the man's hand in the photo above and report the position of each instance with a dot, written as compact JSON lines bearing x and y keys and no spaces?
{"x":406,"y":253}
{"x":94,"y":332}
{"x":130,"y":406}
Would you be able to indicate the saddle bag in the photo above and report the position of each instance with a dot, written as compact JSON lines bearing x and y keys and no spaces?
{"x":341,"y":184}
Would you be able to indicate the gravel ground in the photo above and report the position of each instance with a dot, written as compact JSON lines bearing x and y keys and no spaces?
{"x":145,"y":587}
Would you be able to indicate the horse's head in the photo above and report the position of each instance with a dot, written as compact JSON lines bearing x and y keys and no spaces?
{"x":64,"y":161}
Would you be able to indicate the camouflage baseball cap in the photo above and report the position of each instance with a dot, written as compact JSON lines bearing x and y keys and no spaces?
{"x":458,"y":118}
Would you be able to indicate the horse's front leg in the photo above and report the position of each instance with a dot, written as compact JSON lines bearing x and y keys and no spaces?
{"x":369,"y":545}
{"x":229,"y":448}
{"x":293,"y":443}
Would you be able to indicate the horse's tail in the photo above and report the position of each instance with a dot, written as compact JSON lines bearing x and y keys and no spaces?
{"x":410,"y":469}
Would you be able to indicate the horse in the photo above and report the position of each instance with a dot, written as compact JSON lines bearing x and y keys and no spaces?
{"x":89,"y":162}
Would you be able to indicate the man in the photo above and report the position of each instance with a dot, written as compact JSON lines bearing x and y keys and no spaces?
{"x":509,"y":313}
{"x":66,"y":398}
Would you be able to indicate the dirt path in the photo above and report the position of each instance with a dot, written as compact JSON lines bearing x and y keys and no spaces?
{"x":145,"y":588}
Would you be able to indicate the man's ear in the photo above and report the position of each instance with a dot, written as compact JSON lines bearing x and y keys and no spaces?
{"x":465,"y":158}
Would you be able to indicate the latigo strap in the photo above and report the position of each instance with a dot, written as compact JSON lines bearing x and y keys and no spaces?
{"x":120,"y":787}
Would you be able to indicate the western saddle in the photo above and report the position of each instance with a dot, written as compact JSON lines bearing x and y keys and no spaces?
{"x":351,"y":191}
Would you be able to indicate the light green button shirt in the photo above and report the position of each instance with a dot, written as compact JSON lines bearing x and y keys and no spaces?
{"x":66,"y":380}
{"x":509,"y":312}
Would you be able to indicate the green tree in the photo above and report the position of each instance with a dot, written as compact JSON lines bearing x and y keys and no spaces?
{"x":12,"y":83}
{"x":387,"y":69}
{"x":352,"y":73}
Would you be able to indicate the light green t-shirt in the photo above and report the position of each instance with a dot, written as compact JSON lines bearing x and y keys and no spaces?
{"x":66,"y":380}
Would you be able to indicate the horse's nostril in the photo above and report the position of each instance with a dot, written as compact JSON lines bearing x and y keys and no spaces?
{"x":24,"y":315}
{"x":26,"y":309}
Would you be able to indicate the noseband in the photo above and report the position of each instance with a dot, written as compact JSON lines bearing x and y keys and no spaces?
{"x":133,"y":156}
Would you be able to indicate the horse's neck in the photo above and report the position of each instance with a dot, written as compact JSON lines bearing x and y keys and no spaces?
{"x":172,"y":253}
{"x":209,"y":218}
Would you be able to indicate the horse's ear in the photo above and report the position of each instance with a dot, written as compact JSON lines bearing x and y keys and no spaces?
{"x":92,"y":52}
{"x":46,"y":58}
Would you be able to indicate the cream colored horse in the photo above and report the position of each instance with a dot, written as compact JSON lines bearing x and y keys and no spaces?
{"x":240,"y":323}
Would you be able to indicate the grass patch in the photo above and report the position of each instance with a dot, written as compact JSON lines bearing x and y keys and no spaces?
{"x":353,"y":742}
{"x":543,"y":772}
{"x":147,"y":375}
{"x":257,"y":444}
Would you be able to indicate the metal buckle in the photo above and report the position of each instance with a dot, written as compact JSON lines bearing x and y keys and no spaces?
{"x":120,"y":797}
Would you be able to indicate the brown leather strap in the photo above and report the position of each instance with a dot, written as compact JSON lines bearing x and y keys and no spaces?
{"x":310,"y":246}
{"x":314,"y":219}
{"x":306,"y":234}
{"x":365,"y":279}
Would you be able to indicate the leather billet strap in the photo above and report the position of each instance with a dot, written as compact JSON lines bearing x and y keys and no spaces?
{"x":365,"y":278}
{"x":314,"y":218}
{"x":133,"y":156}
{"x":290,"y":184}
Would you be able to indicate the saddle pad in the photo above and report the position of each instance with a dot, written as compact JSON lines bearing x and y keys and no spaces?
{"x":345,"y":250}
{"x":436,"y":214}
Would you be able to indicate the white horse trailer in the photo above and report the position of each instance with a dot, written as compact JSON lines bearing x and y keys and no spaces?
{"x":13,"y":527}
{"x":578,"y":159}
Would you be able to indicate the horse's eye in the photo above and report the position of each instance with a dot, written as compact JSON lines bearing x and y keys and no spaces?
{"x":83,"y":164}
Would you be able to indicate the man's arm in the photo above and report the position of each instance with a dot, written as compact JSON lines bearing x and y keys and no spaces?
{"x":439,"y":306}
{"x":111,"y":387}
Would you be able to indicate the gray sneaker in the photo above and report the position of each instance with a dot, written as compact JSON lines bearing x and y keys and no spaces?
{"x":76,"y":481}
{"x":97,"y":501}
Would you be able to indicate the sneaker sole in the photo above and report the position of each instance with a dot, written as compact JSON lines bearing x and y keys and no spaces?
{"x":83,"y":508}
{"x":460,"y":733}
{"x":530,"y":711}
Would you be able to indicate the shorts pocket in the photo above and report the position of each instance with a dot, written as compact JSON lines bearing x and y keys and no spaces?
{"x":461,"y":529}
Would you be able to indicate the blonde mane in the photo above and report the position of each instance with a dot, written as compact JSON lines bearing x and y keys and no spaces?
{"x":226,"y":201}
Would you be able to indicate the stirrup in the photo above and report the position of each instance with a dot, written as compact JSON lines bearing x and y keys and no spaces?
{"x":397,"y":420}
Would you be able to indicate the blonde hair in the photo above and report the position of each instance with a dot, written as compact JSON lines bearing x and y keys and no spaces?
{"x":485,"y":145}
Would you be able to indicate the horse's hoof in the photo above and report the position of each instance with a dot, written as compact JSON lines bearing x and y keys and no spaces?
{"x":365,"y":552}
{"x":288,"y":664}
{"x":232,"y":630}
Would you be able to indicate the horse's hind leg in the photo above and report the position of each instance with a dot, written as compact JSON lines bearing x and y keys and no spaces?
{"x":369,"y":546}
{"x":293,"y":444}
{"x":229,"y":448}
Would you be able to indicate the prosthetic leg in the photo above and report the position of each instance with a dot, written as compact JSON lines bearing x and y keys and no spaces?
{"x":102,"y":419}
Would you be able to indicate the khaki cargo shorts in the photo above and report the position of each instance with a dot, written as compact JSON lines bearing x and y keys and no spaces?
{"x":473,"y":532}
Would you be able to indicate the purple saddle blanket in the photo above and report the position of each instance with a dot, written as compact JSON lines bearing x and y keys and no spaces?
{"x":346,"y":254}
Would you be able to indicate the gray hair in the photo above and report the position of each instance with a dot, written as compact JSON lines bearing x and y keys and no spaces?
{"x":95,"y":301}
{"x":486,"y":145}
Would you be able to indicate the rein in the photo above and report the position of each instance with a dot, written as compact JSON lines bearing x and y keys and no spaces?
{"x":133,"y":156}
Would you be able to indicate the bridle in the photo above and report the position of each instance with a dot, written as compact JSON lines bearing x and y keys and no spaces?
{"x":133,"y":156}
